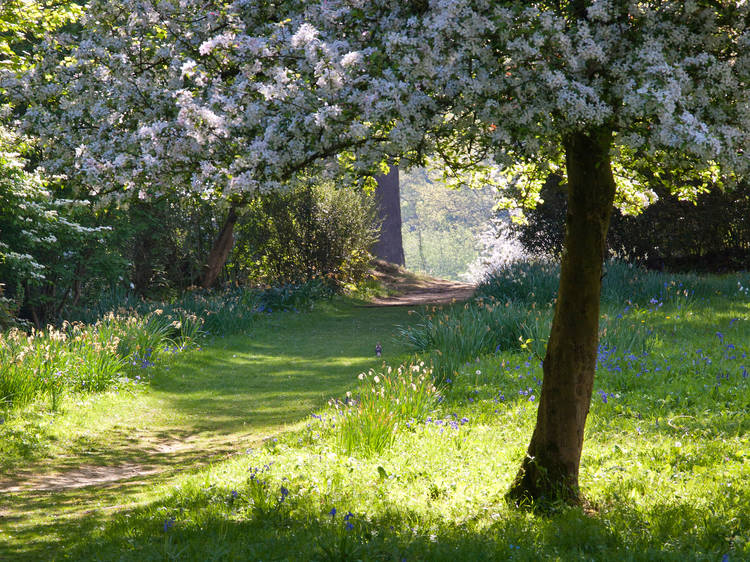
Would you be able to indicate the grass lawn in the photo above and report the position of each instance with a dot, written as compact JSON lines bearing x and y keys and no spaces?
{"x":235,"y":467}
{"x":200,"y":407}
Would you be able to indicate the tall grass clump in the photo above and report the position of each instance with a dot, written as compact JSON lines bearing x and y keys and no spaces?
{"x":456,"y":335}
{"x":622,"y":283}
{"x":86,"y":357}
{"x":522,"y":281}
{"x":369,"y":417}
{"x":220,"y":312}
{"x":624,"y":333}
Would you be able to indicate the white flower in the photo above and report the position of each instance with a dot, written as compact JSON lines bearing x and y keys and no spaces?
{"x":351,"y":58}
{"x":304,"y":35}
{"x":188,"y":68}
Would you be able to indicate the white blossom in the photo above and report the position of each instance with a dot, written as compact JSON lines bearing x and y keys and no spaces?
{"x":155,"y":93}
{"x":351,"y":58}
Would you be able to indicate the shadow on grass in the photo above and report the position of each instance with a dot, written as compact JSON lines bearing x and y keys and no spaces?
{"x":216,"y":525}
{"x":217,"y":402}
{"x":236,"y":390}
{"x":278,"y":374}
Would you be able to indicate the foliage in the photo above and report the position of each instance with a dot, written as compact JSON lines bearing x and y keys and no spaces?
{"x":311,"y":231}
{"x":498,"y":247}
{"x":188,"y":95}
{"x":8,"y":311}
{"x":88,"y":358}
{"x":24,"y":22}
{"x":46,"y":244}
{"x":165,"y":241}
{"x":710,"y":234}
{"x":525,"y":281}
{"x":461,"y":333}
{"x":126,"y":336}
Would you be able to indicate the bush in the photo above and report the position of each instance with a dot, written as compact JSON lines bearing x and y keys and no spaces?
{"x":711,"y":235}
{"x":309,"y":232}
{"x":49,"y":241}
{"x":8,"y":311}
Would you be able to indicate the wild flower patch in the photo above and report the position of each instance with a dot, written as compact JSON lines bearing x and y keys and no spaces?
{"x":513,"y":310}
{"x":125,"y":337}
{"x":369,"y":417}
{"x":88,"y":358}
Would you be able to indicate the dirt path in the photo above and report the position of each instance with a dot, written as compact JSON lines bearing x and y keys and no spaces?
{"x":151,"y":456}
{"x":411,"y":290}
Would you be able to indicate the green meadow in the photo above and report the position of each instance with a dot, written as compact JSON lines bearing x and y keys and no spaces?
{"x":283,"y":437}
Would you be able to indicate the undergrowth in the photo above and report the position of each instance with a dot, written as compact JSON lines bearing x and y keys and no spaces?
{"x":118,"y":341}
{"x":513,"y":309}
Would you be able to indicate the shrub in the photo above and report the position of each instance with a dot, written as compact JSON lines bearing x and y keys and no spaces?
{"x":711,"y":234}
{"x":309,"y":232}
{"x":8,"y":311}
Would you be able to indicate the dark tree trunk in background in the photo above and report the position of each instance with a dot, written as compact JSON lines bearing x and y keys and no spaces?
{"x":389,"y":246}
{"x":220,"y":250}
{"x":550,"y":470}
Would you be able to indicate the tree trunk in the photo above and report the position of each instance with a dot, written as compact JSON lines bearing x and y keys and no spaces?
{"x":389,"y":246}
{"x":550,"y":470}
{"x":220,"y":250}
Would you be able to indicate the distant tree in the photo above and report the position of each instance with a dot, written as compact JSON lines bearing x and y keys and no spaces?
{"x":227,"y":98}
{"x":441,"y":226}
{"x":389,"y":246}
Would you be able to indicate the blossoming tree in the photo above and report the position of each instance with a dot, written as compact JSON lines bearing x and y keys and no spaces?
{"x":228,"y":98}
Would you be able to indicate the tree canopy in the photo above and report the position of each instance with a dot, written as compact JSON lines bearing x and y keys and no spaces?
{"x":229,"y":97}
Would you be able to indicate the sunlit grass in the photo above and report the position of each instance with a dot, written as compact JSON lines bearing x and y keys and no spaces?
{"x":665,"y":464}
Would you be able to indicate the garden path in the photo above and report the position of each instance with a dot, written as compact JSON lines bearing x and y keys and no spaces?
{"x":412,"y":290}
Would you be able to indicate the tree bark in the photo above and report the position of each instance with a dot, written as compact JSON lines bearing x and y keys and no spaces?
{"x":550,"y":470}
{"x":389,"y":246}
{"x":220,"y":250}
